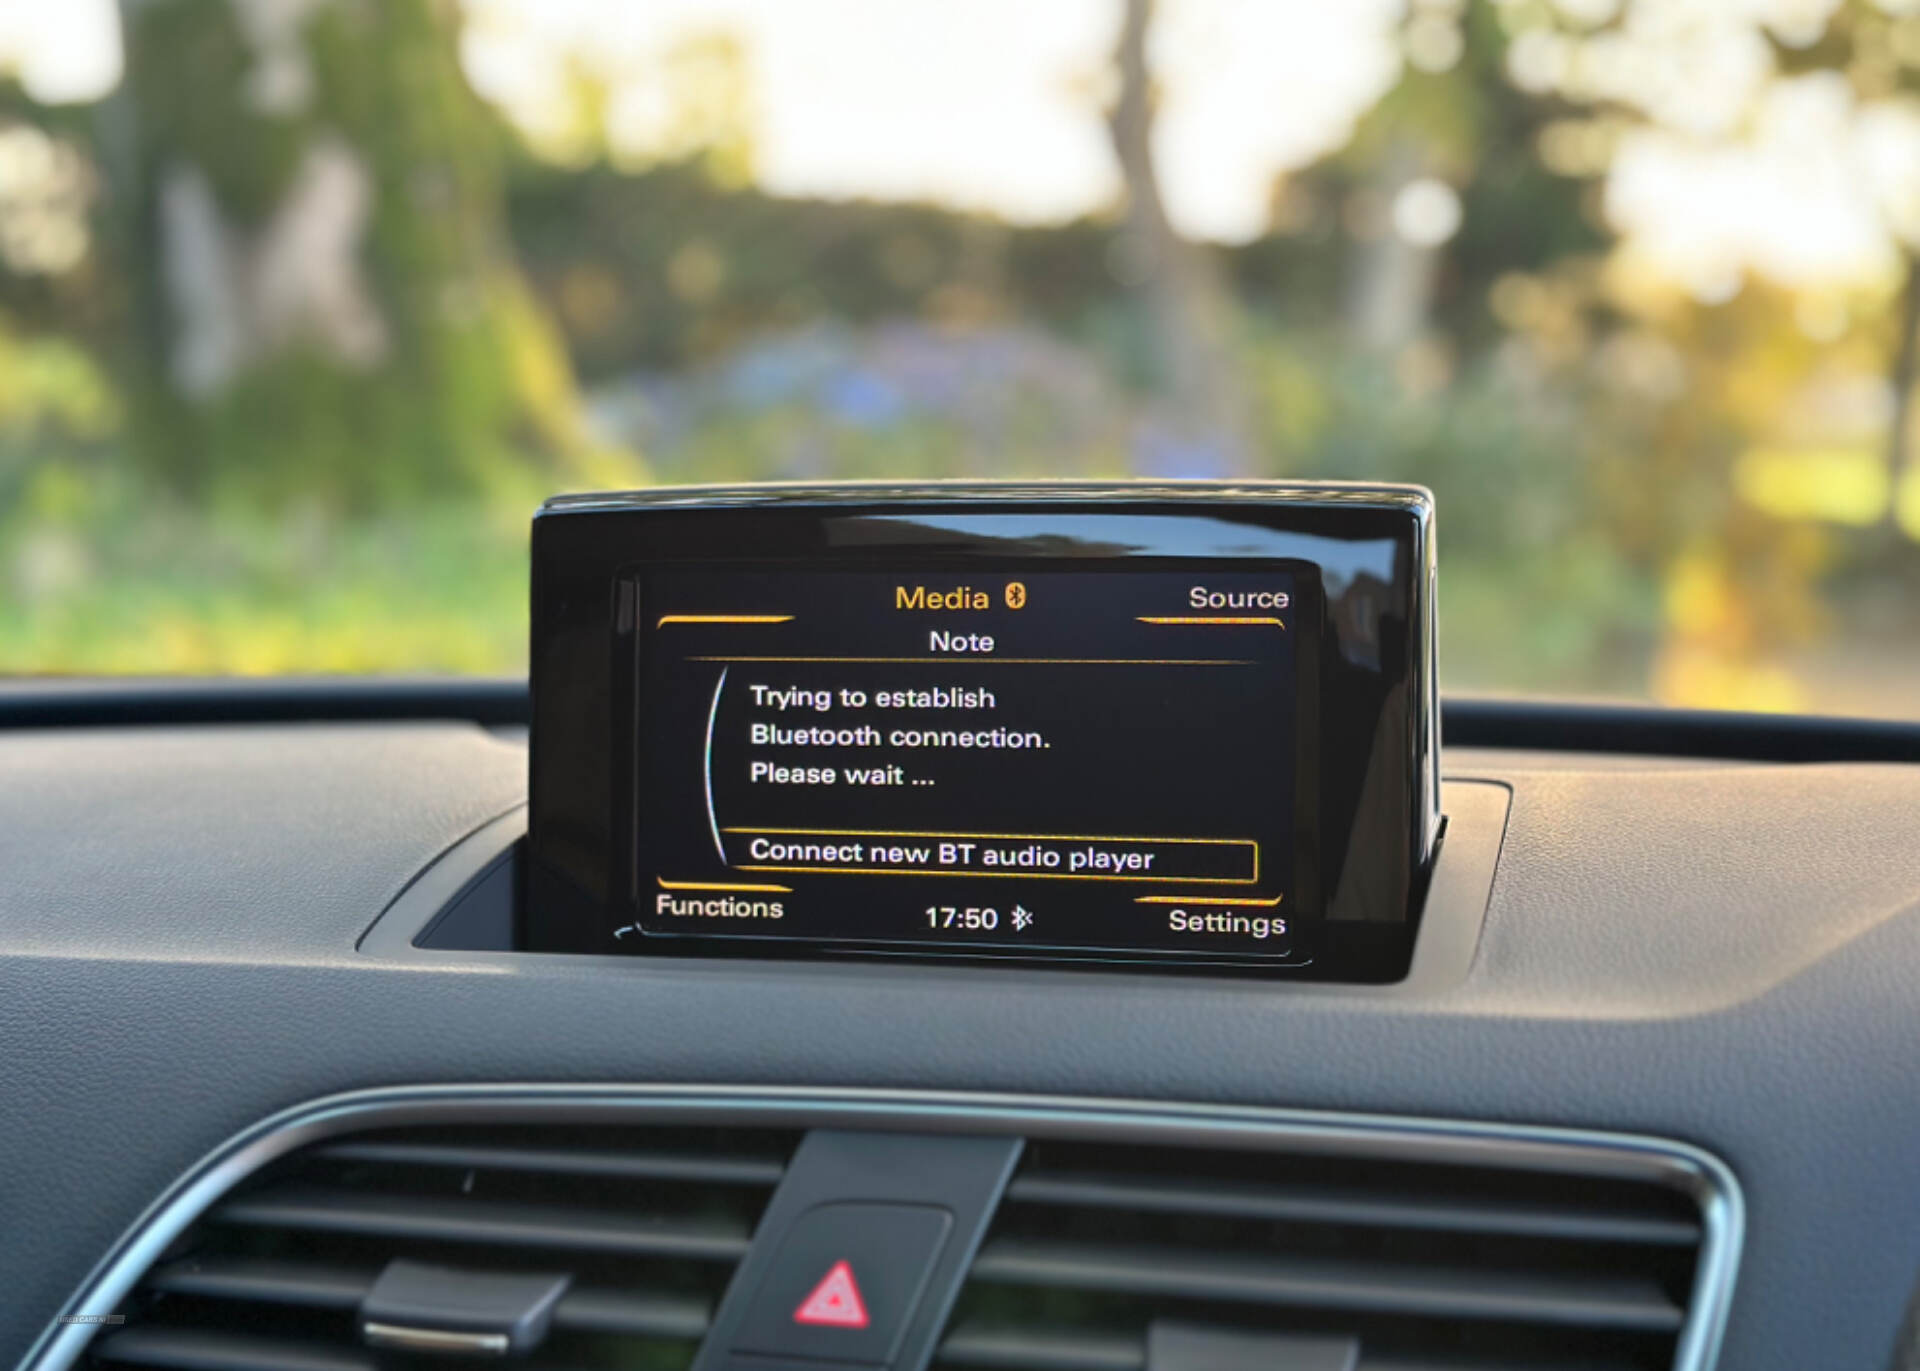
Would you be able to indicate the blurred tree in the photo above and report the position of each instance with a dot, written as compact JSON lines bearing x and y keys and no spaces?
{"x":666,"y":268}
{"x":1875,"y":46}
{"x":1440,"y":191}
{"x":1724,"y":331}
{"x":1841,"y":76}
{"x":309,"y":199}
{"x":51,"y":279}
{"x":1903,"y":374}
{"x":1189,"y":314}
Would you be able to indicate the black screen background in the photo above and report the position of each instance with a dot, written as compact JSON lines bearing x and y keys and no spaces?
{"x":1136,"y":749}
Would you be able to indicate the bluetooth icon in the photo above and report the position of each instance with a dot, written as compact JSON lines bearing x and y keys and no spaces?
{"x":1022,"y":918}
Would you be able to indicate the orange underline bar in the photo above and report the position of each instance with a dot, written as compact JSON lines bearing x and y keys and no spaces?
{"x":1145,"y":619}
{"x":997,"y":837}
{"x":1206,"y":899}
{"x":725,"y":885}
{"x":666,"y":619}
{"x":1004,"y":661}
{"x":1009,"y":874}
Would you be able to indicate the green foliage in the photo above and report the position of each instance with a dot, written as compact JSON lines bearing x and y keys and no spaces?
{"x":199,"y":118}
{"x":469,"y":383}
{"x":670,"y":265}
{"x":105,"y":574}
{"x":323,"y":512}
{"x":1540,"y":591}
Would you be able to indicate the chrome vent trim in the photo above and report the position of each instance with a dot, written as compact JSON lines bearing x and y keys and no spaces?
{"x":1572,"y":1152}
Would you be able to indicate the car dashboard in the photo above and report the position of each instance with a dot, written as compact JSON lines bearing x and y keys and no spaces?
{"x":1660,"y":1017}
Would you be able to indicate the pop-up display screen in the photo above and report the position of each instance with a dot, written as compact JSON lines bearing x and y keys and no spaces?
{"x":1005,"y":761}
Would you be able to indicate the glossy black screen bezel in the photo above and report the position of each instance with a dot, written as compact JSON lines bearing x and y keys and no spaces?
{"x":1361,"y":849}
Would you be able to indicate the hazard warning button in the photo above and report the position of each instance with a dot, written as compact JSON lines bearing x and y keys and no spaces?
{"x":845,"y":1282}
{"x":835,"y":1302}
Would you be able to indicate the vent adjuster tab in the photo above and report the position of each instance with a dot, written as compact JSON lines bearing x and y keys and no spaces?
{"x":415,"y":1307}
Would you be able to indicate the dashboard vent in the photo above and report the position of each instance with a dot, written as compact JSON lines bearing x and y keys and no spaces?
{"x":648,"y":1222}
{"x":1099,"y":1250}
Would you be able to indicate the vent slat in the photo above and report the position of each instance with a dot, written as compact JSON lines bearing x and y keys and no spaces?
{"x":632,"y":1165}
{"x":1011,"y":1349}
{"x":188,"y":1349}
{"x":640,"y":1314}
{"x":1328,"y":1205}
{"x":1448,"y":1264}
{"x":1027,"y":1349}
{"x":679,"y":1317}
{"x":265,"y":1281}
{"x":489,"y":1222}
{"x":1616,"y":1303}
{"x":1368,"y":1363}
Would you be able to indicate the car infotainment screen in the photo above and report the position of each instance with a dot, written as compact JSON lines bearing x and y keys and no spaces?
{"x":1102,"y":760}
{"x":1187,"y":725}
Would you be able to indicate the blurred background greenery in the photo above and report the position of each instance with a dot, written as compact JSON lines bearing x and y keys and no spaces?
{"x":305,"y":304}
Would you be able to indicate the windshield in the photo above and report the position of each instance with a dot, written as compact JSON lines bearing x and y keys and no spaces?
{"x":305,"y":304}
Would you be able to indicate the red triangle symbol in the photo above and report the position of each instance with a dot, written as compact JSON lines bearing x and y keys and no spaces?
{"x":835,"y":1302}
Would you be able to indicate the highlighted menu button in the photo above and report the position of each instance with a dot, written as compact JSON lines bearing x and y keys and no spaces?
{"x":1036,"y":856}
